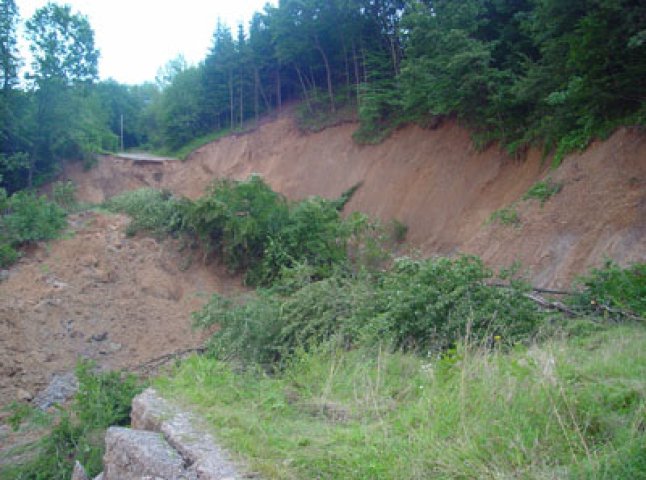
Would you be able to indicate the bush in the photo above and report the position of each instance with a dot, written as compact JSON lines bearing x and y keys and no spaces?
{"x":252,"y":228}
{"x":25,"y":218}
{"x":418,"y":305}
{"x":30,"y":218}
{"x":152,"y":210}
{"x":612,"y":287}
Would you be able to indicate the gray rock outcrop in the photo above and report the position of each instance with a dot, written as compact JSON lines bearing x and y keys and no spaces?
{"x":165,"y":443}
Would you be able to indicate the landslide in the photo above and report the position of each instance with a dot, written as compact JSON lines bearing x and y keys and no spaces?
{"x":436,"y":183}
{"x":98,"y":294}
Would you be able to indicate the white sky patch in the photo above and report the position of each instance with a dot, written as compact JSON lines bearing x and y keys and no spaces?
{"x":136,"y":37}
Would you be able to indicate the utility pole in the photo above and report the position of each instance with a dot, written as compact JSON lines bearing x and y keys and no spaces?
{"x":122,"y":132}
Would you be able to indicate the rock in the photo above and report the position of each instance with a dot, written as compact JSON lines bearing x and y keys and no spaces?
{"x":114,"y":346}
{"x":23,"y":395}
{"x":133,"y":454}
{"x":79,"y":472}
{"x":4,"y":275}
{"x":61,"y":388}
{"x":99,"y":337}
{"x":183,"y":432}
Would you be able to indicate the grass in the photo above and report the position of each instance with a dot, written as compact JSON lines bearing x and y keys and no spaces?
{"x":507,"y":216}
{"x":543,"y":190}
{"x":570,"y":408}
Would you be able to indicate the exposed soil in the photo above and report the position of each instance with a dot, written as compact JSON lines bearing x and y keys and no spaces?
{"x":124,"y":301}
{"x":436,"y":183}
{"x":99,"y":295}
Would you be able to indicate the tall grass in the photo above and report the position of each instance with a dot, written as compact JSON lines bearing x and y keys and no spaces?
{"x":565,"y":409}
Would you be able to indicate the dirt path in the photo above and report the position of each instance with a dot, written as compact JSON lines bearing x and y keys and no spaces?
{"x":98,"y":295}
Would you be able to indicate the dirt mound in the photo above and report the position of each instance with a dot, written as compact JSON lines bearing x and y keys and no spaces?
{"x":436,"y":183}
{"x":100,"y":295}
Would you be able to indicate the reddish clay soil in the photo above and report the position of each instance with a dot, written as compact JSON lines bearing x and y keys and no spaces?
{"x":436,"y":183}
{"x":98,"y":295}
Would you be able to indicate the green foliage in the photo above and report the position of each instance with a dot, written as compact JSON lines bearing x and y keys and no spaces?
{"x":24,"y":218}
{"x":103,"y":400}
{"x":506,"y":216}
{"x":421,"y":305}
{"x":613,"y":287}
{"x":564,"y":409}
{"x":543,"y":190}
{"x":249,"y":226}
{"x":153,"y":210}
{"x":8,"y":255}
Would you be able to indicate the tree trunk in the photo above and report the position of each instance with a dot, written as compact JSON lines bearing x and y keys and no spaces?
{"x":241,"y":102}
{"x":330,"y":90}
{"x":231,"y":100}
{"x":256,"y":100}
{"x":357,"y":78}
{"x":307,"y":98}
{"x":394,"y":55}
{"x":279,"y":96}
{"x":347,"y":70}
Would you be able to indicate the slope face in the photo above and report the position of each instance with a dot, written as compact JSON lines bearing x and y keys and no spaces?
{"x":437,"y":184}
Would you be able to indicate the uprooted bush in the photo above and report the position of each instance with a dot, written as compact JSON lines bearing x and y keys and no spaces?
{"x":418,"y":305}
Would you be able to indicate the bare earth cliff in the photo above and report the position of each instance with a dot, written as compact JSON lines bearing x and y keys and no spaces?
{"x":436,"y":183}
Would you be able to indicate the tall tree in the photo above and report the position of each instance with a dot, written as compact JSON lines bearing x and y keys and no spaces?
{"x":9,"y":58}
{"x":64,"y":67}
{"x":62,"y":45}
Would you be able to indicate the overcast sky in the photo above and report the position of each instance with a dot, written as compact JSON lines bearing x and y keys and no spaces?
{"x":136,"y":37}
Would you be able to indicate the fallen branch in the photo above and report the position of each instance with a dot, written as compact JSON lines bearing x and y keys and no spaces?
{"x":543,"y":302}
{"x":157,"y":362}
{"x":536,"y":289}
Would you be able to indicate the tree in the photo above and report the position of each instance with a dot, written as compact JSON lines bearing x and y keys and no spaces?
{"x":64,"y":68}
{"x":9,"y":59}
{"x":62,"y":44}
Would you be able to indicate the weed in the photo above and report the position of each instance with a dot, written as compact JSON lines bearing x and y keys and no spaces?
{"x":543,"y":190}
{"x":103,"y":399}
{"x":505,"y":216}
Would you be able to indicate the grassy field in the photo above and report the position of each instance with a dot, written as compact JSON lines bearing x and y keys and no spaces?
{"x":567,"y":408}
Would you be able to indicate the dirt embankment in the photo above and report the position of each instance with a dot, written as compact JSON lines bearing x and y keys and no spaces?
{"x":436,"y":183}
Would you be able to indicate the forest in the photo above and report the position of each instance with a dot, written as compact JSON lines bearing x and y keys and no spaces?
{"x":548,"y":73}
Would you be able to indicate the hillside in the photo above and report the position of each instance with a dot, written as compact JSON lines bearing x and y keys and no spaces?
{"x":437,"y":184}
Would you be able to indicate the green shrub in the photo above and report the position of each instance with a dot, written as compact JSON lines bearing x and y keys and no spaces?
{"x":419,"y":305}
{"x":30,"y":218}
{"x":612,"y":287}
{"x":250,"y":227}
{"x":103,"y":399}
{"x":8,"y":255}
{"x":25,"y":218}
{"x":151,"y":210}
